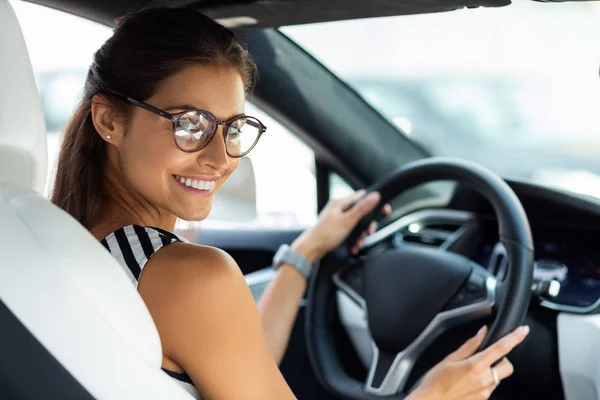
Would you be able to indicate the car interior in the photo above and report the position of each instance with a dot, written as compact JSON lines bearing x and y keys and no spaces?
{"x":464,"y":246}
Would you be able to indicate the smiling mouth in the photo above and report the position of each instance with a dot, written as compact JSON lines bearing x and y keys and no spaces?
{"x":200,"y":185}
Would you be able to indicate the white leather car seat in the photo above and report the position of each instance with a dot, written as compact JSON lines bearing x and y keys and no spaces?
{"x":56,"y":280}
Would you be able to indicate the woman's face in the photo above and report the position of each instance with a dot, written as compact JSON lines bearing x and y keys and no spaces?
{"x":154,"y":166}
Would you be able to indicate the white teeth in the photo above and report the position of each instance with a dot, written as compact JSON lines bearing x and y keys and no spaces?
{"x":196,"y":184}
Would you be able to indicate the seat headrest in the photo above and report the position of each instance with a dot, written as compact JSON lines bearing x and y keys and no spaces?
{"x":23,"y":153}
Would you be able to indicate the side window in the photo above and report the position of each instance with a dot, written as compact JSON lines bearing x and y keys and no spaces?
{"x":275,"y":186}
{"x":338,"y":187}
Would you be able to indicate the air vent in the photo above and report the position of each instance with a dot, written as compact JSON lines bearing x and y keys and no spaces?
{"x":427,"y":234}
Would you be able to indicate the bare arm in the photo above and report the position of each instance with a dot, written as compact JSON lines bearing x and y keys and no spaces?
{"x":209,"y":325}
{"x":279,"y":303}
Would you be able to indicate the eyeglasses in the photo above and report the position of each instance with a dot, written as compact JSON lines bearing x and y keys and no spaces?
{"x":195,"y":128}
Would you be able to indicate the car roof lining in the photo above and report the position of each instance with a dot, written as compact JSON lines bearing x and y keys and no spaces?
{"x":267,"y":13}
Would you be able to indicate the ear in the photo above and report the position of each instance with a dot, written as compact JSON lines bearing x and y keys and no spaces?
{"x":109,"y":124}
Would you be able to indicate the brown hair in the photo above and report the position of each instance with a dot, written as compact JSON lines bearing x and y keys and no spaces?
{"x":145,"y":48}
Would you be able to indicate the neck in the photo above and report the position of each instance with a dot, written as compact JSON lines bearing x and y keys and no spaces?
{"x":123,"y":206}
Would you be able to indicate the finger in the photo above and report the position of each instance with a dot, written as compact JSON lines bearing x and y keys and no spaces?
{"x":469,"y":347}
{"x":364,"y":205}
{"x":504,"y":369}
{"x":360,"y":241}
{"x":503,"y":346}
{"x":486,"y":383}
{"x":358,"y":244}
{"x":356,"y":248}
{"x":386,"y":210}
{"x":346,"y":203}
{"x":372,"y":228}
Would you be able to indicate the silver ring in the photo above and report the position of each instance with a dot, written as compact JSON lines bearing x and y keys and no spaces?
{"x":495,"y":375}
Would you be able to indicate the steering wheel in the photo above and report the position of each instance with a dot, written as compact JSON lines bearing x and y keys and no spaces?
{"x":412,"y":295}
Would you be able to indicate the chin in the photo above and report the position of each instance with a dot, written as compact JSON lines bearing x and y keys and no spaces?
{"x":194,"y":215}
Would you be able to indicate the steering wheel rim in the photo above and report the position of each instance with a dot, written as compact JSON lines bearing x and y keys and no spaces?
{"x":511,"y":297}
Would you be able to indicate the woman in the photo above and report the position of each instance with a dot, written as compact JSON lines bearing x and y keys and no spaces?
{"x":160,"y":128}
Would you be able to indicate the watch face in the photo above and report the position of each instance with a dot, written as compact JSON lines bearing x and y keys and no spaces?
{"x":283,"y":249}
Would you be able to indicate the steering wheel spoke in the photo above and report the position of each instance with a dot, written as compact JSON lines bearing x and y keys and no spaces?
{"x":352,"y":277}
{"x":389,"y":371}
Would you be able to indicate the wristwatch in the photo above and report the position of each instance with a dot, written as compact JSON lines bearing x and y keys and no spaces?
{"x":286,"y":255}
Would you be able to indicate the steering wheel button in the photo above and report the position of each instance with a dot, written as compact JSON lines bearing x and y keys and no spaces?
{"x":477,"y":279}
{"x":472,"y":288}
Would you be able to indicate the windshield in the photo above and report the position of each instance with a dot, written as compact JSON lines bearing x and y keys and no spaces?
{"x":514,"y":88}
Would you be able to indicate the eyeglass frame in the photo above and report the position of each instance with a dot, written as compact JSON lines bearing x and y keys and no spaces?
{"x":174,"y":118}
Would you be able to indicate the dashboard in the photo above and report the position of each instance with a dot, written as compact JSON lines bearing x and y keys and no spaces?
{"x":566,"y":254}
{"x":566,"y":232}
{"x":569,"y":255}
{"x":565,"y":229}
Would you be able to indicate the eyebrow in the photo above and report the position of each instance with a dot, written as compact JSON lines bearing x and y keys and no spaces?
{"x":183,"y":107}
{"x":191,"y":107}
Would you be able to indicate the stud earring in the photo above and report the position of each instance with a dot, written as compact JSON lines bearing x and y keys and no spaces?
{"x":108,"y":137}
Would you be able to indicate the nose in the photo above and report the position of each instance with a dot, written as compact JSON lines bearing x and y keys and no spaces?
{"x":215,"y":154}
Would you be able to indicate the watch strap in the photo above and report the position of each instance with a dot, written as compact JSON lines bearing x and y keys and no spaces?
{"x":288,"y":256}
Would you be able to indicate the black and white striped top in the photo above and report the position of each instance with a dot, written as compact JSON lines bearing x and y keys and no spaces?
{"x":133,"y":246}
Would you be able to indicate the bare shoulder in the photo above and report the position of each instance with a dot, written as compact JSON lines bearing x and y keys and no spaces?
{"x":186,"y":288}
{"x":182,"y":276}
{"x":188,"y":267}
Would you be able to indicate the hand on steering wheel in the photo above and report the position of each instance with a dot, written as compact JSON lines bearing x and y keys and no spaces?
{"x":336,"y":221}
{"x":468,"y":376}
